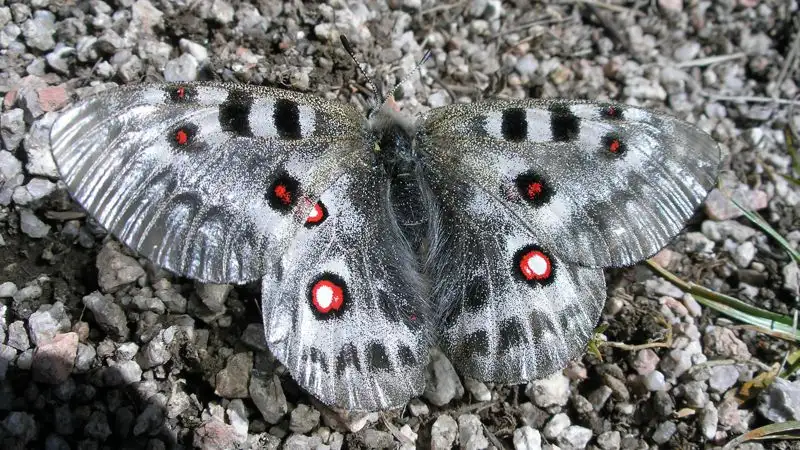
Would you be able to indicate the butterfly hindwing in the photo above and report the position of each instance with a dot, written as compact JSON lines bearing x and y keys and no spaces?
{"x":512,"y":310}
{"x":343,"y":307}
{"x":600,"y":184}
{"x":203,"y":179}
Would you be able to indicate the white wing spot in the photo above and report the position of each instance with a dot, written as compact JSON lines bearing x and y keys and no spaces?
{"x":260,"y":118}
{"x":494,"y":124}
{"x":308,"y":120}
{"x":538,"y":264}
{"x":538,"y":125}
{"x":324,"y":296}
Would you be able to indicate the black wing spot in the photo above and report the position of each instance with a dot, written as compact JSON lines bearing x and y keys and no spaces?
{"x":406,"y":356}
{"x":564,"y":125}
{"x":514,"y":125}
{"x":287,"y":119}
{"x":347,"y":358}
{"x":534,"y":188}
{"x":316,"y":356}
{"x":512,"y":334}
{"x":566,"y":317}
{"x":234,"y":113}
{"x":614,"y":145}
{"x":283,"y":193}
{"x":277,"y":271}
{"x":476,"y":344}
{"x":613,"y":112}
{"x":377,"y":357}
{"x":477,"y":295}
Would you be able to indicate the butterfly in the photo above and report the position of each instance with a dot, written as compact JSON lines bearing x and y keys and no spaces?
{"x":483,"y":228}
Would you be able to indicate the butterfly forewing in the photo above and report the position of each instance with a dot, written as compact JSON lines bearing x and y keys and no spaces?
{"x":204,"y":179}
{"x":599,"y":184}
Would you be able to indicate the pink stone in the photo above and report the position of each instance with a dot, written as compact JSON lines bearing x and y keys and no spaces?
{"x":671,"y":5}
{"x":646,"y":361}
{"x":52,"y":98}
{"x":53,"y":361}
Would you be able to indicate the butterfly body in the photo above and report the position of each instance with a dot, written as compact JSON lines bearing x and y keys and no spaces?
{"x":482,"y":228}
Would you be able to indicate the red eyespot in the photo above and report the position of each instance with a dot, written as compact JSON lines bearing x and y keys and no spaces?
{"x":327,"y":296}
{"x":614,"y":144}
{"x":180,"y":93}
{"x":181,"y":137}
{"x":317,"y":215}
{"x":611,"y":112}
{"x":534,"y":189}
{"x":535,"y":265}
{"x":283,"y":194}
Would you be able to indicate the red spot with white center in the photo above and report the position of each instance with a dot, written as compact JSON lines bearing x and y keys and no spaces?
{"x":317,"y":215}
{"x":181,"y":137}
{"x":327,"y":296}
{"x":181,"y":92}
{"x":535,"y":266}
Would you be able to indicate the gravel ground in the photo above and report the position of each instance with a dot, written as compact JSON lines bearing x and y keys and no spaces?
{"x":99,"y":349}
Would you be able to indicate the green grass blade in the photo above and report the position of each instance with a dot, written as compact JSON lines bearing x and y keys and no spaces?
{"x":783,"y":430}
{"x":775,"y":324}
{"x":767,"y":228}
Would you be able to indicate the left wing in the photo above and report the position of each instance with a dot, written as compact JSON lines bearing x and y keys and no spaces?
{"x":204,"y":179}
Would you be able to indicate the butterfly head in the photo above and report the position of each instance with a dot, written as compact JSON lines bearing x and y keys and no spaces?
{"x":380,"y":101}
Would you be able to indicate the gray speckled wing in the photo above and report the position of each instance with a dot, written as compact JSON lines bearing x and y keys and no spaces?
{"x":512,"y":311}
{"x":344,"y":308}
{"x":204,"y":179}
{"x":600,"y":185}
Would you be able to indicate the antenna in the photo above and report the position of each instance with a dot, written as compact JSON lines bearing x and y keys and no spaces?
{"x":377,"y":95}
{"x":417,"y":67}
{"x":349,"y":49}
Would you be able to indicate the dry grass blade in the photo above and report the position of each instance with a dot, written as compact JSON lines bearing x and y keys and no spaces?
{"x":700,"y":62}
{"x":788,"y":138}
